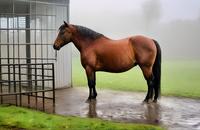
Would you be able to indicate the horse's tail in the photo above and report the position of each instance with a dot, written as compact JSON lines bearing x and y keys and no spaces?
{"x":157,"y":71}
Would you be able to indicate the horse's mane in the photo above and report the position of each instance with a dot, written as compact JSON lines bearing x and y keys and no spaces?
{"x":88,"y":33}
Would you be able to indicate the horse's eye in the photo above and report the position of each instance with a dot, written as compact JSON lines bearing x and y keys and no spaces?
{"x":62,"y":31}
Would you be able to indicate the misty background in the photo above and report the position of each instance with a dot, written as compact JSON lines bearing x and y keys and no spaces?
{"x":175,"y":24}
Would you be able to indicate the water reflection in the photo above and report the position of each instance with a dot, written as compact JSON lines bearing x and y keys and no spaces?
{"x":152,"y":113}
{"x":92,"y":113}
{"x":143,"y":113}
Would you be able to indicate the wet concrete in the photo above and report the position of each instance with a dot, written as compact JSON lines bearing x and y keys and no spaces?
{"x":170,"y":112}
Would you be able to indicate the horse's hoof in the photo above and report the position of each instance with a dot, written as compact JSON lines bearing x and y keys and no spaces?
{"x":88,"y":100}
{"x":146,"y":101}
{"x":93,"y":97}
{"x":155,"y":100}
{"x":93,"y":100}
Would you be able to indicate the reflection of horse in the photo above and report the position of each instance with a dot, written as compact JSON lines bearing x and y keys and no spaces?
{"x":99,"y":53}
{"x":152,"y":113}
{"x":92,"y":109}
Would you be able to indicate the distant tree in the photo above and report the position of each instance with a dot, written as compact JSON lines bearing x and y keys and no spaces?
{"x":152,"y":12}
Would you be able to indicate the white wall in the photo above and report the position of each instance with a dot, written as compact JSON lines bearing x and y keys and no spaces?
{"x":63,"y":64}
{"x":63,"y":67}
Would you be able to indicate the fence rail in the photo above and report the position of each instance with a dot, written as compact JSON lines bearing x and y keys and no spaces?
{"x":36,"y":88}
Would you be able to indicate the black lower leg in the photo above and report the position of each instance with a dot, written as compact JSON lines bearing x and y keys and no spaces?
{"x":90,"y":93}
{"x":94,"y":92}
{"x":91,"y":83}
{"x":156,"y":94}
{"x":150,"y":92}
{"x":147,"y":96}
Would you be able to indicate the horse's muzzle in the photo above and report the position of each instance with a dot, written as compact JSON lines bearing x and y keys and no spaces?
{"x":55,"y":47}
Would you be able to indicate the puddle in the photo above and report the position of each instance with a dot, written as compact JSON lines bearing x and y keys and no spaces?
{"x":170,"y":112}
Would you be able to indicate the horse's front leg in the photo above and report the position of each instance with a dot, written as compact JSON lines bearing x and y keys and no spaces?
{"x":91,"y":77}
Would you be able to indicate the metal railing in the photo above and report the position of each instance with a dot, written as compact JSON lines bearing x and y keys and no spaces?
{"x":35,"y":89}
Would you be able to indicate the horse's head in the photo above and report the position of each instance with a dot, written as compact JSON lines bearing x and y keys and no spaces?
{"x":64,"y":36}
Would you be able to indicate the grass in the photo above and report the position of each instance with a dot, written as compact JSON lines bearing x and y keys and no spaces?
{"x":12,"y":117}
{"x":179,"y":78}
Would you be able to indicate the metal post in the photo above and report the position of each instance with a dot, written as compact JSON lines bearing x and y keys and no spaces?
{"x":1,"y":90}
{"x":53,"y":76}
{"x":8,"y":55}
{"x":43,"y":94}
{"x":0,"y":66}
{"x":28,"y":50}
{"x":14,"y":82}
{"x":18,"y":45}
{"x":35,"y":45}
{"x":36,"y":94}
{"x":20,"y":86}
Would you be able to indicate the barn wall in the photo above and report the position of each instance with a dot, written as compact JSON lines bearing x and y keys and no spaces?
{"x":33,"y":25}
{"x":63,"y":57}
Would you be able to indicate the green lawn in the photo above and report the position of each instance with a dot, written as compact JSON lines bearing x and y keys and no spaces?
{"x":17,"y":118}
{"x":179,"y":78}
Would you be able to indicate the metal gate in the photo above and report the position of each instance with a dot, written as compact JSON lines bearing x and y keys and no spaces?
{"x":37,"y":92}
{"x":27,"y":31}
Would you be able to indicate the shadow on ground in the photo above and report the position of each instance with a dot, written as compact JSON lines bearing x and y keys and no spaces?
{"x":170,"y":112}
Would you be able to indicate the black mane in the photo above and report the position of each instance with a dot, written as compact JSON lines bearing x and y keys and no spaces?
{"x":88,"y":33}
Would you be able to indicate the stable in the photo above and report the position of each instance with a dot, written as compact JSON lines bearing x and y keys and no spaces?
{"x":30,"y":69}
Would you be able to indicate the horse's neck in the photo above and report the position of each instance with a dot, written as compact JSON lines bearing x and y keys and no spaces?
{"x":80,"y":43}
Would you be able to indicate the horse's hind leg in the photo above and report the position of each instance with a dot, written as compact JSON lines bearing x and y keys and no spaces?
{"x":91,"y":77}
{"x":148,"y":75}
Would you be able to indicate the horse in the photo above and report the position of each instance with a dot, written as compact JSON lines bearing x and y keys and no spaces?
{"x":100,"y":53}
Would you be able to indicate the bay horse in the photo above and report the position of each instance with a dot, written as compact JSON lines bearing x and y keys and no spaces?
{"x":100,"y":53}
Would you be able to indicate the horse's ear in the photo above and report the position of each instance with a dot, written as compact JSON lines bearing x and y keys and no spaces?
{"x":66,"y":24}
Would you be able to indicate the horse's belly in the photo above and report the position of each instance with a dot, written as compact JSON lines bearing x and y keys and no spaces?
{"x":117,"y":69}
{"x":115,"y":57}
{"x":115,"y":65}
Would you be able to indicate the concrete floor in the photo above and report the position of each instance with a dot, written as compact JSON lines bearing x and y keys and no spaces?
{"x":170,"y":112}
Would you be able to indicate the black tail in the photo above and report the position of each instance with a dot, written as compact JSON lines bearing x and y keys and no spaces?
{"x":157,"y":71}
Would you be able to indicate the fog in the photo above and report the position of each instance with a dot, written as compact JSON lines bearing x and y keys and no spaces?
{"x":175,"y":24}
